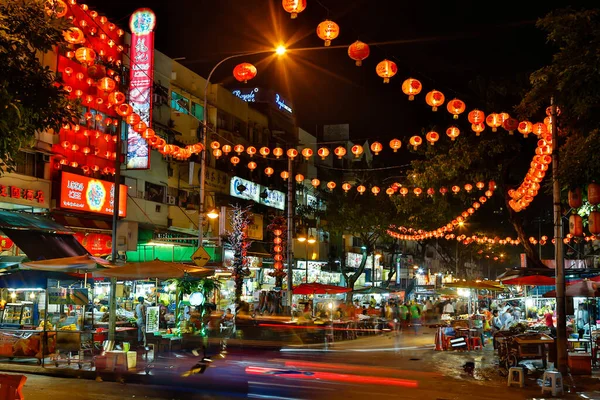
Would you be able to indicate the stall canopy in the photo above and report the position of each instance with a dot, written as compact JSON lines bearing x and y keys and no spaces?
{"x":487,"y":285}
{"x":32,"y":279}
{"x":155,"y":269}
{"x":531,"y":280}
{"x":371,"y":290}
{"x":79,"y":263}
{"x":319,"y":288}
{"x":583,"y":288}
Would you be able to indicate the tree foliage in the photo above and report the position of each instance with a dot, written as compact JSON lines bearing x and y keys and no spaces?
{"x":30,"y":99}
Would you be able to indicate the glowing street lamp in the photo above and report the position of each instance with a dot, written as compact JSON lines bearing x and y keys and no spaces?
{"x":213,"y":214}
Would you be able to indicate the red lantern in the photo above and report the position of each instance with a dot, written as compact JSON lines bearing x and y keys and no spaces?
{"x":323,"y":152}
{"x":269,"y":171}
{"x":299,"y":178}
{"x":327,"y":31}
{"x":346,"y":187}
{"x":226,"y":149}
{"x":107,"y":84}
{"x":217,"y":153}
{"x":132,"y":119}
{"x":594,"y":222}
{"x":238,"y":148}
{"x":252,"y":165}
{"x":493,"y":121}
{"x":386,"y":69}
{"x":85,"y":55}
{"x":294,"y":7}
{"x":594,"y":193}
{"x":235,"y":160}
{"x":284,"y":175}
{"x":415,"y":141}
{"x":376,"y":147}
{"x":575,"y":199}
{"x":375,"y":190}
{"x":292,"y":153}
{"x":434,"y":99}
{"x":417,"y":191}
{"x":478,"y":128}
{"x":395,"y":144}
{"x":358,"y":51}
{"x":455,"y":189}
{"x":307,"y":153}
{"x":74,"y":35}
{"x":264,"y":151}
{"x":432,"y":137}
{"x":331,"y":185}
{"x":456,"y":107}
{"x":124,"y":110}
{"x":525,"y":128}
{"x":411,"y":87}
{"x":340,"y":152}
{"x":244,"y":72}
{"x":453,"y":132}
{"x":403,"y":191}
{"x":476,"y":117}
{"x":539,"y":129}
{"x":576,"y":225}
{"x":361,"y":189}
{"x":510,"y":124}
{"x":357,"y":150}
{"x":251,"y":151}
{"x":315,"y":182}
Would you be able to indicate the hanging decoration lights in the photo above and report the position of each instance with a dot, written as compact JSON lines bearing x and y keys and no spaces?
{"x":327,"y":31}
{"x":395,"y":144}
{"x":294,"y":7}
{"x":244,"y":72}
{"x":434,"y":99}
{"x":456,"y":107}
{"x":432,"y":137}
{"x":411,"y":87}
{"x":386,"y":69}
{"x":358,"y":51}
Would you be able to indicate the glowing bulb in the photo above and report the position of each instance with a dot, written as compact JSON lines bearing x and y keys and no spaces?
{"x":280,"y":50}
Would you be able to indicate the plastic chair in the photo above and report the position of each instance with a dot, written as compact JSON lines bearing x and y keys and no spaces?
{"x":556,"y":383}
{"x":516,"y":375}
{"x":448,"y":344}
{"x":11,"y":386}
{"x":475,"y":343}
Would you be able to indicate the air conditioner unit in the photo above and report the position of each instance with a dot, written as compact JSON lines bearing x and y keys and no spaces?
{"x":171,"y":200}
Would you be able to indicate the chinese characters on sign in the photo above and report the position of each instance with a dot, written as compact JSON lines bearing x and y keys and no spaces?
{"x":81,"y":193}
{"x":15,"y":192}
{"x":252,"y":191}
{"x":141,"y":79}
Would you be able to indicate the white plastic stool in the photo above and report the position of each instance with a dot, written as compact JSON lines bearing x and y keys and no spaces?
{"x":556,"y":383}
{"x":516,"y":375}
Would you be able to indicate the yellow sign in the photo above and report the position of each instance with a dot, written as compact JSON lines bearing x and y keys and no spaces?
{"x":255,"y":228}
{"x":200,"y":257}
{"x":216,"y":181}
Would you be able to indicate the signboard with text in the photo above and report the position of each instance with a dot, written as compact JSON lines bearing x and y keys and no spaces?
{"x":252,"y":191}
{"x":81,"y":193}
{"x":141,"y":23}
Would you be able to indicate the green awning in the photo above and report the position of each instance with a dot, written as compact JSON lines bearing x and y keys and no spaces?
{"x":29,"y":221}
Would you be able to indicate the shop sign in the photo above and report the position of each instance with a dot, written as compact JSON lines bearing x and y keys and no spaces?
{"x":19,"y":191}
{"x":353,"y":260}
{"x":255,"y":227}
{"x":141,"y":23}
{"x":215,"y":180}
{"x":81,"y":193}
{"x":98,"y":244}
{"x":281,"y":103}
{"x":247,"y":95}
{"x":72,"y":296}
{"x":251,"y":191}
{"x":275,"y":199}
{"x":152,"y":319}
{"x":5,"y":243}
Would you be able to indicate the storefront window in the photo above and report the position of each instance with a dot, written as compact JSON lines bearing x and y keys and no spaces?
{"x":180,"y":103}
{"x":156,"y":193}
{"x":197,"y":111}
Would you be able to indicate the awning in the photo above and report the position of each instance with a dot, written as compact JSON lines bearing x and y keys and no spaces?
{"x":155,"y":269}
{"x":28,"y":221}
{"x":39,"y":245}
{"x":79,"y":222}
{"x":68,"y":264}
{"x":32,"y":279}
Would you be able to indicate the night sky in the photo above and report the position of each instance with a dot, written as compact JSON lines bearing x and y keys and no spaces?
{"x":445,"y":44}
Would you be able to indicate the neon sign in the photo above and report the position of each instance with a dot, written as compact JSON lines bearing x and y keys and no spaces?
{"x":249,"y":97}
{"x":281,"y":103}
{"x":141,"y":23}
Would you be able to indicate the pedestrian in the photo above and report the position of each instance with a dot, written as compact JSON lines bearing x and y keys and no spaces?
{"x":372,"y":302}
{"x":448,"y":308}
{"x":508,"y":319}
{"x":549,"y":319}
{"x":415,"y":315}
{"x":140,"y":318}
{"x":582,"y":319}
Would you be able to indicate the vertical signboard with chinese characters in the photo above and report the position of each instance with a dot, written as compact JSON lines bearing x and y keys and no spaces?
{"x":141,"y":79}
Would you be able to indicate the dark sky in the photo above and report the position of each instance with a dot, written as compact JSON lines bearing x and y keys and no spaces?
{"x":445,"y":44}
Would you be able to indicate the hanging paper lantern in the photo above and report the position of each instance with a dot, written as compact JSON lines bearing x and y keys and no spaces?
{"x":294,"y":7}
{"x":277,"y":152}
{"x":252,"y":165}
{"x":331,"y":185}
{"x":139,"y":127}
{"x":132,"y":119}
{"x":503,"y":117}
{"x":575,"y":198}
{"x":264,"y":151}
{"x":235,"y":160}
{"x":430,"y":192}
{"x":476,"y":116}
{"x":357,"y":150}
{"x":315,"y":182}
{"x":346,"y":187}
{"x":476,"y":205}
{"x":539,"y":129}
{"x":432,"y":137}
{"x":244,"y":72}
{"x":116,"y":98}
{"x":403,"y":191}
{"x":251,"y":151}
{"x":480,"y":185}
{"x":389,"y":191}
{"x":510,"y":124}
{"x":292,"y":153}
{"x":395,"y":144}
{"x":358,"y":51}
{"x":478,"y":128}
{"x":468,"y":187}
{"x":323,"y":152}
{"x":376,"y":148}
{"x":215,"y":145}
{"x":443,"y":190}
{"x":576,"y":225}
{"x":85,"y":55}
{"x":56,"y":8}
{"x":327,"y":31}
{"x":593,"y":193}
{"x":489,"y":193}
{"x":386,"y":69}
{"x":340,"y":152}
{"x":594,"y":222}
{"x":456,"y":107}
{"x":238,"y":148}
{"x":299,"y":178}
{"x":415,"y":141}
{"x":307,"y":153}
{"x":124,"y":110}
{"x":411,"y":87}
{"x":453,"y":132}
{"x":361,"y":189}
{"x":434,"y":99}
{"x":284,"y":175}
{"x":493,"y":121}
{"x":74,"y":35}
{"x":226,"y":149}
{"x":217,"y":153}
{"x":107,"y":84}
{"x":375,"y":190}
{"x":417,"y":191}
{"x":269,"y":171}
{"x":455,"y":189}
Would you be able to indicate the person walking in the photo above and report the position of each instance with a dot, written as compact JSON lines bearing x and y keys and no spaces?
{"x":448,"y":308}
{"x":415,"y":315}
{"x":404,"y":316}
{"x":140,"y":319}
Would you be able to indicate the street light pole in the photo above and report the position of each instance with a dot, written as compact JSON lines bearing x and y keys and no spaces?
{"x":112,"y":300}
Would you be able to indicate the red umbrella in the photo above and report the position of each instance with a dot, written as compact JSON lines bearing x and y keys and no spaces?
{"x":319,"y":288}
{"x":531,"y":280}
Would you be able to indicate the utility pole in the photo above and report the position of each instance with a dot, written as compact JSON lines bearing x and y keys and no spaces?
{"x":112,"y":301}
{"x":561,"y":319}
{"x":290,"y":236}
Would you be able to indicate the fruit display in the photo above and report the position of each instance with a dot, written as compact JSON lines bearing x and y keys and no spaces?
{"x":41,"y":326}
{"x":70,"y":327}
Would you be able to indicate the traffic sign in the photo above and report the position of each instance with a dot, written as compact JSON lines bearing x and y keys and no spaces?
{"x":201,"y":257}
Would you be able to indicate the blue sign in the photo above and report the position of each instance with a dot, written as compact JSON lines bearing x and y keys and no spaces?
{"x":281,"y":104}
{"x":248,"y":96}
{"x":275,"y":199}
{"x":252,"y":191}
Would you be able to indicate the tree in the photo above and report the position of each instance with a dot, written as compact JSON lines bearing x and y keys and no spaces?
{"x":30,"y":98}
{"x":366,"y":217}
{"x":237,"y":239}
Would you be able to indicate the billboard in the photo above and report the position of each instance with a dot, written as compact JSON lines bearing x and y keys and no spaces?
{"x":141,"y":79}
{"x":81,"y":193}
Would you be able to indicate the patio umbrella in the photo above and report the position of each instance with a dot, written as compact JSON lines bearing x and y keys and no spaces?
{"x":66,"y":264}
{"x":319,"y":288}
{"x":531,"y":280}
{"x":371,"y":290}
{"x":583,"y":288}
{"x":155,"y":269}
